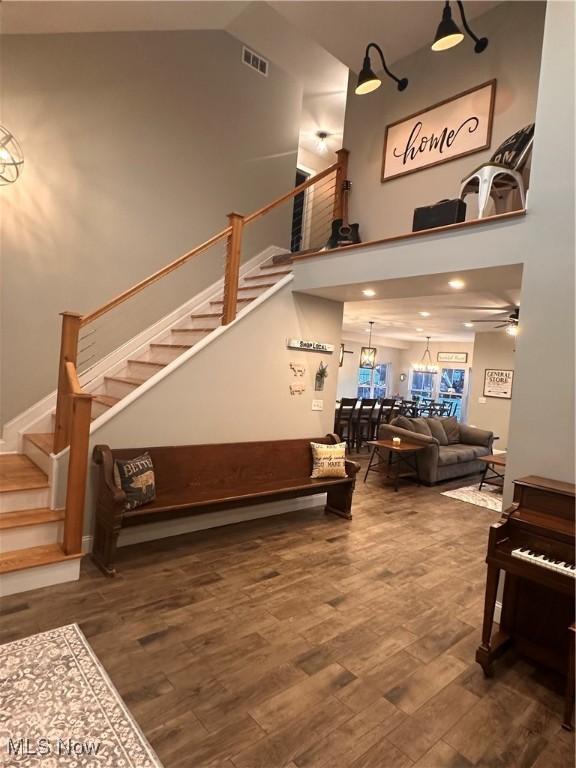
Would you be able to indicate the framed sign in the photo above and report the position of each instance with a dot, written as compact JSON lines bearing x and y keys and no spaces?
{"x":498,"y":383}
{"x":452,"y":128}
{"x":452,"y":357}
{"x":309,"y":346}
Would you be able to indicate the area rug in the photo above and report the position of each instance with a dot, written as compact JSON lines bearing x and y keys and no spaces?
{"x":489,"y":497}
{"x":59,"y":708}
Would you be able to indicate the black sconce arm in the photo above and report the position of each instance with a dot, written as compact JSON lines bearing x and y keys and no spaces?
{"x":481,"y":43}
{"x":402,"y":83}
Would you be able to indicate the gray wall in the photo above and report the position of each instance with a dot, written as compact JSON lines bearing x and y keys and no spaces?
{"x":513,"y":58}
{"x":137,"y":145}
{"x":491,"y":350}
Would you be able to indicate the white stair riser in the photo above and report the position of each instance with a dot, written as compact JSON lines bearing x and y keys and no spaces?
{"x":164,"y":354}
{"x":43,"y":576}
{"x":253,"y":292}
{"x":262,"y":278}
{"x":134,"y":370}
{"x":14,"y":501}
{"x":190,"y":337}
{"x":30,"y":536}
{"x":203,"y":322}
{"x":118,"y":388}
{"x":36,"y":455}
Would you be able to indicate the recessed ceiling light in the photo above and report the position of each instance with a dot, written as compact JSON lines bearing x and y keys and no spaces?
{"x":457,"y":284}
{"x":419,"y":330}
{"x":468,"y":325}
{"x":369,"y":292}
{"x":424,"y":314}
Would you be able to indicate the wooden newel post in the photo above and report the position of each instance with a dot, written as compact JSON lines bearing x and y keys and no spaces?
{"x":231,"y":276}
{"x":68,"y":353}
{"x":81,"y":407}
{"x":341,"y":177}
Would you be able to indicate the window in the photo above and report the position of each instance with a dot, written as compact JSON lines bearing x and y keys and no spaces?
{"x":372,"y":383}
{"x":422,"y":384}
{"x":451,"y":389}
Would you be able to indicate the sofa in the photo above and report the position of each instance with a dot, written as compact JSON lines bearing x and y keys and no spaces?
{"x":452,"y":449}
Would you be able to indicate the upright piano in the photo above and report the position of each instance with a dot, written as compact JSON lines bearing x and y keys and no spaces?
{"x":533,"y":543}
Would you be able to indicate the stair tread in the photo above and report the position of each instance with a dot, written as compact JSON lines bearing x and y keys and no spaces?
{"x":244,"y":301}
{"x":269,"y":274}
{"x":42,"y":440}
{"x":33,"y":557}
{"x":206,"y":314}
{"x":193,"y":330}
{"x":106,"y":400}
{"x":254,"y":287}
{"x":125,"y":380}
{"x":146,"y":362}
{"x":172,"y":346}
{"x":25,"y":517}
{"x":19,"y":473}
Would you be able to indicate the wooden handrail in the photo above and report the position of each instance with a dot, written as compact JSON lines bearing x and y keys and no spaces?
{"x":122,"y":297}
{"x":293,"y":192}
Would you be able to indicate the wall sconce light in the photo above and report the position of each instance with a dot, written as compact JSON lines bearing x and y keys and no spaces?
{"x":368,"y":354}
{"x":368,"y":81}
{"x":11,"y":157}
{"x":448,"y":33}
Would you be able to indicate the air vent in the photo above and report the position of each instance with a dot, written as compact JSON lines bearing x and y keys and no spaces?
{"x":256,"y":62}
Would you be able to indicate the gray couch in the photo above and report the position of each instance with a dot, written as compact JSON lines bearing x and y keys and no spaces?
{"x":452,"y":449}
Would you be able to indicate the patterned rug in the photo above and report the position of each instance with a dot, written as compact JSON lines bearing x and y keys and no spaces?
{"x":59,"y":708}
{"x":489,"y":497}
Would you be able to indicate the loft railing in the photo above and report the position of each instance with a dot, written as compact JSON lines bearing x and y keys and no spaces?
{"x":322,"y":203}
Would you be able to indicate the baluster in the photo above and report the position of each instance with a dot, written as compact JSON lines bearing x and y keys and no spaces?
{"x":231,"y":277}
{"x":68,"y":354}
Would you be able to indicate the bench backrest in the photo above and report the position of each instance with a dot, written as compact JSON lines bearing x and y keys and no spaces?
{"x":228,"y":465}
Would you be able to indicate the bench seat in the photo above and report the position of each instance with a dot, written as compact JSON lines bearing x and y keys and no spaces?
{"x":198,"y":479}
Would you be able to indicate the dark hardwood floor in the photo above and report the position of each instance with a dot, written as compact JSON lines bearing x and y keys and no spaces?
{"x":307,"y":640}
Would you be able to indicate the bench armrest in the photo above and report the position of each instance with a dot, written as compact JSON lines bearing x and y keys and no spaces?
{"x":475,"y":436}
{"x":388,"y":431}
{"x":102,"y":455}
{"x":352,"y":468}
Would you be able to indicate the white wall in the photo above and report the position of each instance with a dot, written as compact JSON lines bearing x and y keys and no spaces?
{"x":491,"y":350}
{"x":137,"y":145}
{"x":512,"y":57}
{"x":237,"y":388}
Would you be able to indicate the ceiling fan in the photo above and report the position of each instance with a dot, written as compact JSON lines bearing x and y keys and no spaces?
{"x":510,"y":319}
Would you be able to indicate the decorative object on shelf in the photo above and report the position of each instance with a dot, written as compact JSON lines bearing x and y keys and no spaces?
{"x":298,"y":369}
{"x":502,"y":173}
{"x":368,"y":354}
{"x":310,"y":346}
{"x":342,"y":232}
{"x":498,"y":383}
{"x":452,"y":128}
{"x":441,"y":214}
{"x":449,"y":34}
{"x":452,"y":357}
{"x":344,"y":351}
{"x":297,"y":389}
{"x":321,"y":375}
{"x":426,"y":365}
{"x":11,"y":157}
{"x":368,"y":81}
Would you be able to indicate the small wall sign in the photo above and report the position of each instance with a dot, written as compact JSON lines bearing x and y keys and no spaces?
{"x":309,"y":346}
{"x":452,"y":357}
{"x":498,"y":383}
{"x":452,"y":128}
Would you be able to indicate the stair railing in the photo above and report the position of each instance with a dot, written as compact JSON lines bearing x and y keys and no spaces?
{"x":72,"y":422}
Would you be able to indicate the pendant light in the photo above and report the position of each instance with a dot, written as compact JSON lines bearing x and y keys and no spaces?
{"x":449,"y":34}
{"x":426,"y":365}
{"x":11,"y":157}
{"x":368,"y":354}
{"x":368,"y":80}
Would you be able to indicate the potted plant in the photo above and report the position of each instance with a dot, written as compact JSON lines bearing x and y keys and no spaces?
{"x":321,"y":374}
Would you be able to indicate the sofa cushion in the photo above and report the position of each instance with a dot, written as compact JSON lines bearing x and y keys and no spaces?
{"x":402,"y":422}
{"x":464,"y":452}
{"x":447,"y":455}
{"x":451,"y":428}
{"x":420,"y":426}
{"x":437,"y":430}
{"x":479,"y":450}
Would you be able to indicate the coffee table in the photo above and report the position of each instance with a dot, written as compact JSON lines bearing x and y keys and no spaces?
{"x":386,"y":454}
{"x":497,"y":476}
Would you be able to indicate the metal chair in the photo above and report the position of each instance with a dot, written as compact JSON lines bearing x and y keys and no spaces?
{"x":343,"y":423}
{"x":503,"y":172}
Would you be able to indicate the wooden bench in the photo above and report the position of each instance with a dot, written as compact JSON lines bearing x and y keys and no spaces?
{"x":196,"y":479}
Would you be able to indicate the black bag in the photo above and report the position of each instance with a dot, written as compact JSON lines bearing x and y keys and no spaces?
{"x":439,"y":215}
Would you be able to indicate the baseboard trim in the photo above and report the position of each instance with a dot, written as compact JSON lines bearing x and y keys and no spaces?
{"x":164,"y":530}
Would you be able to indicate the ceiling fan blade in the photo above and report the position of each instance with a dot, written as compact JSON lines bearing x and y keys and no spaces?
{"x":480,"y":309}
{"x":492,"y":320}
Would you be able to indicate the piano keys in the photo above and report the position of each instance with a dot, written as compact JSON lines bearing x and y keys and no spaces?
{"x":534,"y":545}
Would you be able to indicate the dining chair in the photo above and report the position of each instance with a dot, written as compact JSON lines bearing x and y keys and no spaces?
{"x":343,"y":422}
{"x":363,"y":425}
{"x":386,"y":413}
